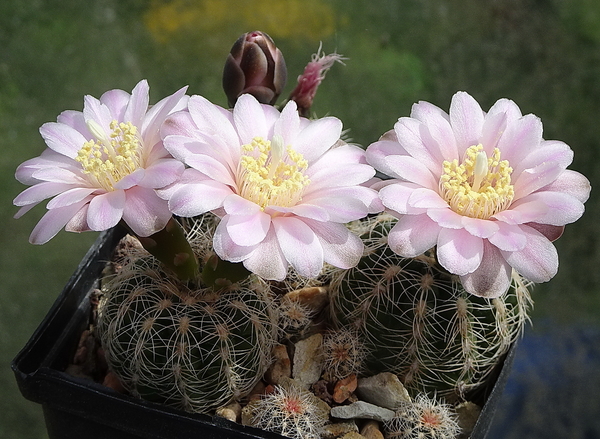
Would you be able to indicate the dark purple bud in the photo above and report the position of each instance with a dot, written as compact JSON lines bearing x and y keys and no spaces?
{"x":254,"y":66}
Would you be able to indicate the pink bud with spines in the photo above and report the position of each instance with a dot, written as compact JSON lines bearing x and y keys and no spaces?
{"x":311,"y":78}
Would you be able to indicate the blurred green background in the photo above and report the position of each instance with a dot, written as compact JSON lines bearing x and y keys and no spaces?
{"x":543,"y":54}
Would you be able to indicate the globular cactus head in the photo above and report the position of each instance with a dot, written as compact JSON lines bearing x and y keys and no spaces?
{"x":423,"y":418}
{"x":182,"y":344}
{"x":417,"y":321}
{"x":343,"y":353}
{"x":290,"y":411}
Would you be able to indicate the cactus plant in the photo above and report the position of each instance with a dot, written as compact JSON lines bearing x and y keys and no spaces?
{"x":343,"y":353}
{"x":423,"y":418}
{"x":180,"y":343}
{"x":291,"y":411}
{"x":417,"y":321}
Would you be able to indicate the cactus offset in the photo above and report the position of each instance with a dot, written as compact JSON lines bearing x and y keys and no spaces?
{"x":183,"y":345}
{"x":417,"y":321}
{"x":423,"y":418}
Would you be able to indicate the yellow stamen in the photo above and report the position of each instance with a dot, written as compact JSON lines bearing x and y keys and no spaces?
{"x":269,"y":177}
{"x":109,"y":158}
{"x":479,"y":187}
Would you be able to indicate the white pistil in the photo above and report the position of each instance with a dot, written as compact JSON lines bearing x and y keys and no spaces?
{"x":277,"y":149}
{"x":480,"y":171}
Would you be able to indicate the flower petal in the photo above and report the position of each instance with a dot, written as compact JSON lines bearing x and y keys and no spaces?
{"x":69,"y":197}
{"x":228,"y":250}
{"x":378,"y":152}
{"x":560,"y":209}
{"x":413,"y":235}
{"x":446,"y":218}
{"x":144,"y":211}
{"x":288,"y":124}
{"x":211,"y":167}
{"x":538,"y":261}
{"x":267,"y":260}
{"x":195,"y":198}
{"x":520,"y":138}
{"x":458,"y":251}
{"x":480,"y":227}
{"x":138,"y":104}
{"x":509,"y":237}
{"x":466,"y":118}
{"x":442,"y":143}
{"x":249,"y":119}
{"x":341,"y":248}
{"x":162,"y":173}
{"x":493,"y":276}
{"x":62,"y":138}
{"x":535,"y":178}
{"x":52,"y":221}
{"x":321,"y":213}
{"x":415,"y":138}
{"x":299,"y":245}
{"x":215,"y":121}
{"x":395,"y":196}
{"x":422,"y":198}
{"x":318,"y":137}
{"x":572,"y":183}
{"x":236,"y":205}
{"x":106,"y":210}
{"x":156,"y":115}
{"x":410,"y":169}
{"x":248,"y":230}
{"x":116,"y":101}
{"x":131,"y":180}
{"x":39,"y":192}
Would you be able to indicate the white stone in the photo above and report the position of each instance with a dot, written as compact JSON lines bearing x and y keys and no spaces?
{"x":362,"y":410}
{"x":308,"y":360}
{"x":384,"y":390}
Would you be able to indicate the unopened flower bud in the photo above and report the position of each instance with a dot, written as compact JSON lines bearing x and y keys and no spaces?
{"x":309,"y":81}
{"x":254,"y":66}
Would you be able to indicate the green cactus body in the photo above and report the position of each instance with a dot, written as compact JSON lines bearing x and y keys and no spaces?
{"x":416,"y":320}
{"x":191,"y":348}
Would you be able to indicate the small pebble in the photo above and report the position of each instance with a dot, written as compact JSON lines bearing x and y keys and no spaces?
{"x":337,"y":429}
{"x":281,"y":367}
{"x":384,"y":390}
{"x":308,"y":360}
{"x":371,"y":430}
{"x":344,"y":388}
{"x":231,"y":412}
{"x":362,"y":410}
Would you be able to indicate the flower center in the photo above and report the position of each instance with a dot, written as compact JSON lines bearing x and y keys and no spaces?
{"x":480,"y":186}
{"x":109,"y":158}
{"x":269,"y":176}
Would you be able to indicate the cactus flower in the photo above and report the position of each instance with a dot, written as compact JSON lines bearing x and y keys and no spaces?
{"x":103,"y":165}
{"x":255,"y":66}
{"x":283,"y":185}
{"x":484,"y":188}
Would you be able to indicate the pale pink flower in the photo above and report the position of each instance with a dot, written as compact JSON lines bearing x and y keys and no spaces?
{"x":103,"y":165}
{"x":283,"y":185}
{"x":485,"y":188}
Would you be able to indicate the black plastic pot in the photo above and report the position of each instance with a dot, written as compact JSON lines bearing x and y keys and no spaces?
{"x":75,"y":407}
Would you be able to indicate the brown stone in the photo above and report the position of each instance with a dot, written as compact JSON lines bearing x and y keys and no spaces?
{"x":314,"y":298}
{"x":371,"y":430}
{"x":281,"y":367}
{"x":232,"y":412}
{"x":344,"y":388}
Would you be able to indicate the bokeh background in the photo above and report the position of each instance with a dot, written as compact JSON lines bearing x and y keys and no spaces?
{"x":543,"y":54}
